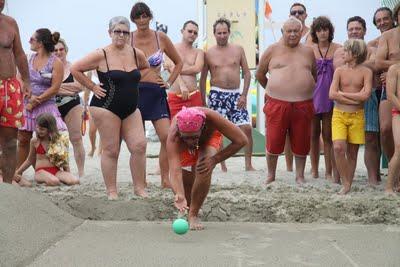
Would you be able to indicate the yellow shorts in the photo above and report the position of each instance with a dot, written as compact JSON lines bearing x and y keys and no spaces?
{"x":348,"y":126}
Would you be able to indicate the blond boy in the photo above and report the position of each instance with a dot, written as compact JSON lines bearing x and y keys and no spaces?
{"x":351,"y":86}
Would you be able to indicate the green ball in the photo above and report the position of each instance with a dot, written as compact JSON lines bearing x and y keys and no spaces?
{"x":180,"y":226}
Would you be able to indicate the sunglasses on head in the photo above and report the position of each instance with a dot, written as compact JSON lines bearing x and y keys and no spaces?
{"x":294,"y":12}
{"x":119,"y":32}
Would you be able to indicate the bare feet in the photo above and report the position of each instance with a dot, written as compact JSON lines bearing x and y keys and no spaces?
{"x":300,"y":180}
{"x":390,"y":192}
{"x":314,"y":174}
{"x":373,"y":182}
{"x":250,"y":169}
{"x":165,"y":184}
{"x":24,"y":182}
{"x":195,"y":224}
{"x":328,"y":177}
{"x":112,"y":196}
{"x":270,"y":179}
{"x":289,"y":168}
{"x":223,"y":167}
{"x":91,"y":153}
{"x":140,"y":193}
{"x":345,"y":189}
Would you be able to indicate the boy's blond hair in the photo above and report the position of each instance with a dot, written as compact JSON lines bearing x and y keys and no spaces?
{"x":358,"y":49}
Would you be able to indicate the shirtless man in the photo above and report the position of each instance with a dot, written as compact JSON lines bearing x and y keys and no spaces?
{"x":383,"y":20}
{"x":356,"y":29}
{"x":351,"y":86}
{"x":184,"y":91}
{"x":299,"y":11}
{"x":193,"y":142}
{"x":289,"y":91}
{"x":388,"y":53}
{"x":224,"y":62}
{"x":12,"y":56}
{"x":393,"y":94}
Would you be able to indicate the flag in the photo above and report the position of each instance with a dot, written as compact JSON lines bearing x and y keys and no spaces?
{"x":267,"y":10}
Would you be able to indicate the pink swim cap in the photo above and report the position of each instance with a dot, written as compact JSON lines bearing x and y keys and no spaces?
{"x":190,"y":120}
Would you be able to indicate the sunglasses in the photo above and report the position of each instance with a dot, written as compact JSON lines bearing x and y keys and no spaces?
{"x":119,"y":32}
{"x":59,"y":50}
{"x":32,"y":39}
{"x":194,"y":32}
{"x":294,"y":12}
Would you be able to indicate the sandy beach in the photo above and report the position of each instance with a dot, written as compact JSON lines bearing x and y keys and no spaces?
{"x":236,"y":196}
{"x":72,"y":226}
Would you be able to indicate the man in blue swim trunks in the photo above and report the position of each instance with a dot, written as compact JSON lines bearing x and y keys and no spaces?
{"x":224,"y":61}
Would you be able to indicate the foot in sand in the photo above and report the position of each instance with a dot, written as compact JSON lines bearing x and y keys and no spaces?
{"x":250,"y":168}
{"x":345,"y":189}
{"x":195,"y":224}
{"x":314,"y":174}
{"x":373,"y":183}
{"x":270,"y":179}
{"x":328,"y":177}
{"x":300,"y":180}
{"x":390,"y":192}
{"x":223,"y":167}
{"x":166,"y":184}
{"x":140,"y":193}
{"x":24,"y":182}
{"x":112,"y":196}
{"x":91,"y":153}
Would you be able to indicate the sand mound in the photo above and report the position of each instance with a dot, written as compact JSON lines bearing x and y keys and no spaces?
{"x":29,"y":223}
{"x":280,"y":202}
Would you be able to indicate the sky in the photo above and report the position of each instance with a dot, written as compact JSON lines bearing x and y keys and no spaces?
{"x":84,"y":23}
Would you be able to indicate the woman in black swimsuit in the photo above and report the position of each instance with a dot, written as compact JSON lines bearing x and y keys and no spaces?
{"x":69,"y":105}
{"x":114,"y":104}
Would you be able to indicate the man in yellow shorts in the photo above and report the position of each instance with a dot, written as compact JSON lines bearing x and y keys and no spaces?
{"x":350,"y":88}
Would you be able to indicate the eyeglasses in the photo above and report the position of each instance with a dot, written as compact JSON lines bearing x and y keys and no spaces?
{"x":59,"y":50}
{"x":295,"y":12}
{"x":192,"y":31}
{"x":119,"y":32}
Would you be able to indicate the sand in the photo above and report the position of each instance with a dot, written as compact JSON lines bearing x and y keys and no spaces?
{"x":236,"y":196}
{"x":35,"y":219}
{"x":29,"y":222}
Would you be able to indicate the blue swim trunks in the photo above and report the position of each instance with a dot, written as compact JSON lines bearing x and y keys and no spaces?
{"x":224,"y":102}
{"x":371,"y":113}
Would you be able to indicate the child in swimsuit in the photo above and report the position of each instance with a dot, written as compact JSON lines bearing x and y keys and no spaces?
{"x":48,"y":155}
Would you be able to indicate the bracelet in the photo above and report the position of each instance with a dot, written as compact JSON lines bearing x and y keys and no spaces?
{"x":168,"y":85}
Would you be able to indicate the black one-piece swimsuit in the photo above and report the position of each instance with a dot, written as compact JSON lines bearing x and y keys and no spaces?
{"x":121,"y":90}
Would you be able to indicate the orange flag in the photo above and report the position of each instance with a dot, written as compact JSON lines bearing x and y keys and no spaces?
{"x":267,"y":9}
